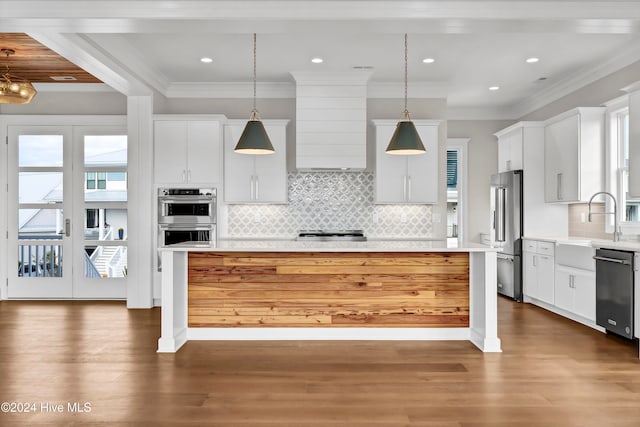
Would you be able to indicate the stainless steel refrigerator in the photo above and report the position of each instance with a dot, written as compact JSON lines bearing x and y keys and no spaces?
{"x":506,"y":230}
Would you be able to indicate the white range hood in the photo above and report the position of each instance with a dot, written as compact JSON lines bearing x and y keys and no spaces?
{"x":331,"y":119}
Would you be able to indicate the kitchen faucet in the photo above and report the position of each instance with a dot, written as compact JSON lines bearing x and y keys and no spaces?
{"x":616,"y":232}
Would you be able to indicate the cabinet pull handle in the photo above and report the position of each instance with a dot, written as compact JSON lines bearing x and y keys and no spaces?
{"x":252,"y":188}
{"x":508,"y":165}
{"x":535,"y":261}
{"x":257,"y":187}
{"x":559,"y":186}
{"x":404,"y":188}
{"x":184,"y":175}
{"x":408,"y":188}
{"x":571,"y":281}
{"x":189,"y":175}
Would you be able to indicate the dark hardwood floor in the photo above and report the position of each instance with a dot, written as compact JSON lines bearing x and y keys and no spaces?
{"x":553,"y":372}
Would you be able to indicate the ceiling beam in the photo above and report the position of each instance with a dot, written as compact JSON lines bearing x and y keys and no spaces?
{"x":87,"y":55}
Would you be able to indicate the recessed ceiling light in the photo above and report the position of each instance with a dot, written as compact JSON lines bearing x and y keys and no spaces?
{"x":317,"y":60}
{"x":532,"y":60}
{"x":63,"y":78}
{"x":206,"y":60}
{"x":428,"y":60}
{"x":494,"y":88}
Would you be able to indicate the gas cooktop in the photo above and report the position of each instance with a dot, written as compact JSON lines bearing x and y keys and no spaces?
{"x":332,"y":235}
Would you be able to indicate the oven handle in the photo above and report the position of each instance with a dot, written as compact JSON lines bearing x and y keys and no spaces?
{"x":617,"y":261}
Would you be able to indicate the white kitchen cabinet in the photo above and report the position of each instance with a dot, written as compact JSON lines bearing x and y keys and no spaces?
{"x":575,"y":287}
{"x":634,"y":141}
{"x":538,"y":270}
{"x":522,"y":144}
{"x":510,"y":150}
{"x":255,"y":178}
{"x":187,"y":150}
{"x":573,"y":155}
{"x":575,"y":292}
{"x":407,"y":179}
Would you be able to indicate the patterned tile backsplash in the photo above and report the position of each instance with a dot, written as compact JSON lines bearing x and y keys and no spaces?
{"x":330,"y":200}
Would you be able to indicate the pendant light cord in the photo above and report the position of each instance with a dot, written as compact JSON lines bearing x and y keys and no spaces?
{"x":254,"y":113}
{"x":406,"y":111}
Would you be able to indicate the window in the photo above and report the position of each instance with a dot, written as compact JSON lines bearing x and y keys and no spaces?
{"x":102,"y":180}
{"x":618,"y":175}
{"x":91,"y":180}
{"x":100,"y":183}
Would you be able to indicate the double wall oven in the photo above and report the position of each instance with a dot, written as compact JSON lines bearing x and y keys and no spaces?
{"x":187,"y":215}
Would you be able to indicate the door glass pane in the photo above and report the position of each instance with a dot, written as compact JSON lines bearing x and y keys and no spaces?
{"x":40,"y":224}
{"x":43,"y":257}
{"x":105,"y":150}
{"x":39,"y":187}
{"x":39,"y":150}
{"x":105,"y":224}
{"x":99,"y":187}
{"x":105,"y":262}
{"x":40,"y":260}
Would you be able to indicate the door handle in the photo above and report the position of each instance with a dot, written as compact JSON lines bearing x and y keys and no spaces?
{"x":617,"y":261}
{"x":559,"y":186}
{"x":67,"y":227}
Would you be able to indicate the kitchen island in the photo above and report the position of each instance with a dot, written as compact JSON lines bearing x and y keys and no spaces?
{"x":293,"y":290}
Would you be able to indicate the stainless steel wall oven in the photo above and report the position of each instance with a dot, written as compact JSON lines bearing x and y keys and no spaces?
{"x":187,"y":215}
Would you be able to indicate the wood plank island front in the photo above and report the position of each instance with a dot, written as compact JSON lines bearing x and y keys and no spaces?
{"x":289,"y":290}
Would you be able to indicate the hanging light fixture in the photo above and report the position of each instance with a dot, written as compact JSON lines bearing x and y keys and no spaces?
{"x":405,"y":139}
{"x":13,"y":89}
{"x":254,"y":138}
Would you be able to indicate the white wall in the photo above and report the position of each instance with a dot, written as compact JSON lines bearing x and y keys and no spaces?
{"x":483,"y":162}
{"x":83,"y":103}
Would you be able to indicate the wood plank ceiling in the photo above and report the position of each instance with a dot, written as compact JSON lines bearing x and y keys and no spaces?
{"x":37,"y":63}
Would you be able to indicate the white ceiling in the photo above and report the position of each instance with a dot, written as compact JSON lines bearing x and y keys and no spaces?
{"x":139,"y":45}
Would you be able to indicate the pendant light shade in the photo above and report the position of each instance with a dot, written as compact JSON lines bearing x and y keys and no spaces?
{"x":405,"y":139}
{"x":13,"y":89}
{"x":254,"y":138}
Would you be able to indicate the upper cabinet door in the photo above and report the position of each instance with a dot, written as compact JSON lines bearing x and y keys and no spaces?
{"x":204,"y":152}
{"x":510,"y":151}
{"x":270,"y":182}
{"x":422,"y":172}
{"x":573,"y":155}
{"x":391,"y":170}
{"x":634,"y":145}
{"x":239,"y":169}
{"x":170,"y":151}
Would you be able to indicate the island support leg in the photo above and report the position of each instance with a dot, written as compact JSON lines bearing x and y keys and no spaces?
{"x":483,"y":279}
{"x":174,"y":302}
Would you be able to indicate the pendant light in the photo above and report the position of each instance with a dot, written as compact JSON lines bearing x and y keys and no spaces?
{"x":405,"y":139}
{"x":254,"y":138}
{"x":13,"y":89}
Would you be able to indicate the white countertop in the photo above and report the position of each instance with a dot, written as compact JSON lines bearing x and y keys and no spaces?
{"x":624,"y":245}
{"x":307,"y":246}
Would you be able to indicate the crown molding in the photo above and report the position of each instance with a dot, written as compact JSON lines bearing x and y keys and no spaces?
{"x":74,"y":87}
{"x":230,"y":90}
{"x":432,"y":89}
{"x":579,"y":80}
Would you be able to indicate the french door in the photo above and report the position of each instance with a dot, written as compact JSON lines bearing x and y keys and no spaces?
{"x":67,"y":212}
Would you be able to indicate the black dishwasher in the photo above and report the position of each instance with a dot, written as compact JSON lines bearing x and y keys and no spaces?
{"x":614,"y":291}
